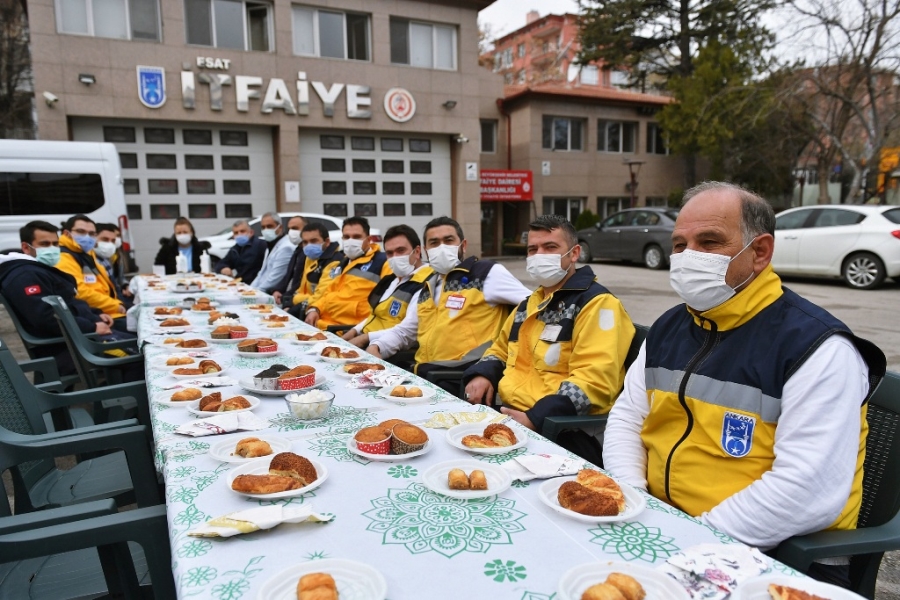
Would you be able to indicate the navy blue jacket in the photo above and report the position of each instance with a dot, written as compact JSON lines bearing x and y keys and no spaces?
{"x":247,"y":260}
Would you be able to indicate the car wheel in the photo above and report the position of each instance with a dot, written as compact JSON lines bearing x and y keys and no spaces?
{"x":653,"y":257}
{"x":585,"y":253}
{"x":863,"y":271}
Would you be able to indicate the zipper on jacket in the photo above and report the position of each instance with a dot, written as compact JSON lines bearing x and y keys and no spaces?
{"x":708,"y":344}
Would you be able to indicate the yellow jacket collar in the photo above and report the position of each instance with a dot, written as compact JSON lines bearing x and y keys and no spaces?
{"x":69,"y":243}
{"x":743,"y":306}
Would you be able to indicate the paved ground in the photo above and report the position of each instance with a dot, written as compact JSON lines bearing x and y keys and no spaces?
{"x":646,"y":294}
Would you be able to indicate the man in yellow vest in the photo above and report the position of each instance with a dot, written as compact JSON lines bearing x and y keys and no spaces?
{"x":343,"y":299}
{"x":562,"y":351}
{"x":461,"y":308}
{"x":391,"y":297}
{"x":746,"y":406}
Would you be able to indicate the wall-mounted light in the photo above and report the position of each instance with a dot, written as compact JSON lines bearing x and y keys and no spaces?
{"x":449,"y":104}
{"x":87,"y":78}
{"x":460,"y":139}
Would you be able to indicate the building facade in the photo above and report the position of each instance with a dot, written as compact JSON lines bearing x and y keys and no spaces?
{"x":222,"y":109}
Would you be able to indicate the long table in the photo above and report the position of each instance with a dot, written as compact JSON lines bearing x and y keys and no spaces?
{"x":508,"y":546}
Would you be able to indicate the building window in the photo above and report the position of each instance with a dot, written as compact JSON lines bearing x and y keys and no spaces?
{"x":421,"y":209}
{"x":122,"y":135}
{"x":165,"y":211}
{"x":420,"y":145}
{"x":392,"y":166}
{"x":420,"y":167}
{"x":236,"y":163}
{"x":562,"y":133}
{"x":394,"y":209}
{"x":201,"y":186}
{"x":128,"y":160}
{"x":132,"y":186}
{"x":162,"y":186}
{"x":334,"y":188}
{"x":159,"y":135}
{"x":235,"y":186}
{"x":331,"y":142}
{"x":334,"y":165}
{"x":488,"y":136}
{"x":233,"y":138}
{"x":590,"y":75}
{"x":364,"y":188}
{"x":202,"y":211}
{"x":119,"y":19}
{"x":367,"y":209}
{"x":237,"y":24}
{"x":420,"y":188}
{"x":161,"y":161}
{"x":335,"y":210}
{"x":363,"y":165}
{"x":520,"y":50}
{"x":330,"y":34}
{"x":423,"y":44}
{"x":392,"y":144}
{"x":393,"y":188}
{"x":617,"y":136}
{"x":198,"y":137}
{"x":656,"y":139}
{"x":199,"y":162}
{"x":238,"y":211}
{"x":520,"y":77}
{"x":135,"y":211}
{"x":362,"y":143}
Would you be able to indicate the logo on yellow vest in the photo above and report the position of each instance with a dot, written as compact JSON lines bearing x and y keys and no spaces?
{"x":737,"y":434}
{"x":395,"y":308}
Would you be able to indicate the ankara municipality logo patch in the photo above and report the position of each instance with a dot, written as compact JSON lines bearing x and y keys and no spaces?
{"x":737,"y":434}
{"x":395,"y":308}
{"x":151,"y":86}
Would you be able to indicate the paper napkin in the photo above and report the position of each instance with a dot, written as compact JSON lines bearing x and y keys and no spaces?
{"x":224,"y":423}
{"x":714,"y":571}
{"x":447,"y":420}
{"x":254,"y":519}
{"x":204,"y":382}
{"x":379,"y":379}
{"x":542,"y":466}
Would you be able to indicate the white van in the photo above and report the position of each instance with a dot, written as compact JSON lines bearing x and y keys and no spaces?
{"x":51,"y":181}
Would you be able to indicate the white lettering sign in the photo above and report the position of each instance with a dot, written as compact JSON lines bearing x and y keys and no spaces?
{"x":208,"y":62}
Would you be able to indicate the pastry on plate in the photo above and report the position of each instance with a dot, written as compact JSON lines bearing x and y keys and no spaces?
{"x":192,"y":344}
{"x":598,"y":482}
{"x":292,"y":465}
{"x":209,"y":366}
{"x":264,"y":484}
{"x":602,"y":591}
{"x":477,"y":480}
{"x":359,"y":367}
{"x":314,"y":337}
{"x":252,"y":447}
{"x":186,"y":395}
{"x":783,"y":592}
{"x":179,"y":360}
{"x":187,"y":371}
{"x":331,"y":352}
{"x":413,"y":392}
{"x":457,"y":479}
{"x":317,"y":586}
{"x":399,"y":391}
{"x":627,"y":585}
{"x":478,"y":441}
{"x":236,"y":403}
{"x":174,"y":322}
{"x":500,"y":434}
{"x":210,"y":402}
{"x":578,"y":498}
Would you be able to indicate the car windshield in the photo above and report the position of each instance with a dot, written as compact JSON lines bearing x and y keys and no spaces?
{"x":672,"y":213}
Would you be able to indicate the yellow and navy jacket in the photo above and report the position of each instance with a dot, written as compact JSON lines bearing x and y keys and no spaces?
{"x":714,"y":382}
{"x":562,"y":354}
{"x":463,"y":320}
{"x":390,"y":311}
{"x":313,"y":268}
{"x":342,"y":296}
{"x":94,"y":285}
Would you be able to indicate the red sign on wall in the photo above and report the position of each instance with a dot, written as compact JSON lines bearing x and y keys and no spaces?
{"x":513,"y":186}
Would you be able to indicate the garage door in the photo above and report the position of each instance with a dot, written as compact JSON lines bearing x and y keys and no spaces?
{"x":212,"y":174}
{"x":388,"y":178}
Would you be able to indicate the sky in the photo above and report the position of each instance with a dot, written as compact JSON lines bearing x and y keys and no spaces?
{"x":504,"y":16}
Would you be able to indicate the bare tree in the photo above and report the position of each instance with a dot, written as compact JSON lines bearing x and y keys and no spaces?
{"x":851,"y":92}
{"x":15,"y":72}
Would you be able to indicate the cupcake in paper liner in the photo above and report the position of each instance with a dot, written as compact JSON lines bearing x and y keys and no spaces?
{"x":406,"y":438}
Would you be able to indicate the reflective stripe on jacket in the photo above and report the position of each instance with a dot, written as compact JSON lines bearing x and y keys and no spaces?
{"x":390,"y":311}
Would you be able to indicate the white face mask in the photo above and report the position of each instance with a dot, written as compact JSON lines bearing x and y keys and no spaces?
{"x":699,"y":278}
{"x":546,"y":269}
{"x":105,"y":249}
{"x":183,"y":238}
{"x":294,"y":236}
{"x":443,"y":258}
{"x":269,"y":234}
{"x":401,"y":265}
{"x":353,"y":248}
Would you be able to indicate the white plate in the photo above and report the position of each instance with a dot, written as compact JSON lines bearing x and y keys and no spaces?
{"x":174,"y":330}
{"x":247,"y":384}
{"x":192,"y":407}
{"x":385,"y":392}
{"x":351,"y":447}
{"x":161,"y":365}
{"x":435,"y":479}
{"x":757,"y":588}
{"x":345,"y":374}
{"x":158,"y":343}
{"x":156,"y":317}
{"x":222,"y":451}
{"x":634,"y":502}
{"x":217,"y":374}
{"x":257,"y":354}
{"x":213,"y":340}
{"x":340,"y":361}
{"x":285,"y":327}
{"x":163,"y":398}
{"x":354,"y":580}
{"x":193,"y":290}
{"x":657,"y":585}
{"x":293,"y":340}
{"x":457,"y":433}
{"x":261,"y":467}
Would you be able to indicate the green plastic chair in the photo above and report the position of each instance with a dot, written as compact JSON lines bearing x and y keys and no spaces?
{"x":878,"y":528}
{"x":27,"y":449}
{"x":596,"y":424}
{"x":86,"y":551}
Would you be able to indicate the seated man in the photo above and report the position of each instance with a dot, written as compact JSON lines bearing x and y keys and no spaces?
{"x":77,"y":258}
{"x":105,"y":252}
{"x":246,"y":256}
{"x":391,"y":297}
{"x":746,"y":406}
{"x":342,"y":299}
{"x":460,"y":310}
{"x":278,"y":257}
{"x":28,"y":277}
{"x":568,"y":342}
{"x":314,"y":253}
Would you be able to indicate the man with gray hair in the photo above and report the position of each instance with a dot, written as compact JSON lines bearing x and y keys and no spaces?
{"x":746,"y":406}
{"x":246,"y":256}
{"x":278,"y":256}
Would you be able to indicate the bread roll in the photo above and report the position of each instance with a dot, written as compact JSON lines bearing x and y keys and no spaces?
{"x":399,"y":391}
{"x":602,"y":591}
{"x":264,"y":484}
{"x":457,"y":479}
{"x":575,"y":497}
{"x":252,"y":447}
{"x":627,"y":585}
{"x":477,"y":441}
{"x":317,"y":586}
{"x":413,"y":392}
{"x":477,"y":480}
{"x":294,"y":466}
{"x":187,"y":395}
{"x":500,"y":434}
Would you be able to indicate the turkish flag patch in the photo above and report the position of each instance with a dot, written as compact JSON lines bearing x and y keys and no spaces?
{"x":31,"y":290}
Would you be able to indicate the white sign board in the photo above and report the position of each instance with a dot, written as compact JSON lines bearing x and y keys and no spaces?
{"x":292,"y":191}
{"x":545,"y":167}
{"x":471,"y":171}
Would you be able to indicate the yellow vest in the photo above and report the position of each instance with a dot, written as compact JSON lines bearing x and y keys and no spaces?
{"x":390,"y":311}
{"x":344,"y":299}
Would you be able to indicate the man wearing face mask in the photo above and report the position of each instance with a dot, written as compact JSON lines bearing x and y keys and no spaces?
{"x":315,"y":253}
{"x":294,"y":269}
{"x":746,"y":406}
{"x":277,"y":259}
{"x":77,"y":258}
{"x":562,"y":352}
{"x":104,"y":253}
{"x":341,"y":297}
{"x":246,"y":256}
{"x":392,"y":296}
{"x":460,"y":310}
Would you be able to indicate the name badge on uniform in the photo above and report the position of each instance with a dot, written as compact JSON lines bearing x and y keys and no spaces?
{"x":335,"y":271}
{"x":455,"y":302}
{"x":551,"y":333}
{"x":90,"y":279}
{"x":395,"y":308}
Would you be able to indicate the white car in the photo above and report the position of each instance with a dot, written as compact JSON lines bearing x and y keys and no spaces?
{"x":221,"y":243}
{"x":858,"y":243}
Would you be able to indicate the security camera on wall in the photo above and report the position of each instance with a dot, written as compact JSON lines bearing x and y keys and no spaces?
{"x":51,"y":99}
{"x":461,"y":139}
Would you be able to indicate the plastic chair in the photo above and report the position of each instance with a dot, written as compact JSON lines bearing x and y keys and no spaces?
{"x":553,"y":426}
{"x":449,"y":374}
{"x":878,"y":528}
{"x":83,"y":552}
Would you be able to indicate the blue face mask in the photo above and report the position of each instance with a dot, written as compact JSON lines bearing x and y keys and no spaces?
{"x":86,"y":242}
{"x":242,"y":240}
{"x":47,"y":256}
{"x":313,"y":251}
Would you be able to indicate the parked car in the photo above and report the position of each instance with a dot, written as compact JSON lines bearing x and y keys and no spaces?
{"x":222,"y":242}
{"x":860,"y":244}
{"x":634,"y":235}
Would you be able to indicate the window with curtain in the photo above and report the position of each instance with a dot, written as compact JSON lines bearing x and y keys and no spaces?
{"x":117,"y":19}
{"x":330,"y":33}
{"x":235,"y":24}
{"x":426,"y":45}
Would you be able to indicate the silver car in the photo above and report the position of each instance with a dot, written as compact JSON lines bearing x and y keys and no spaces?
{"x":633,"y":235}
